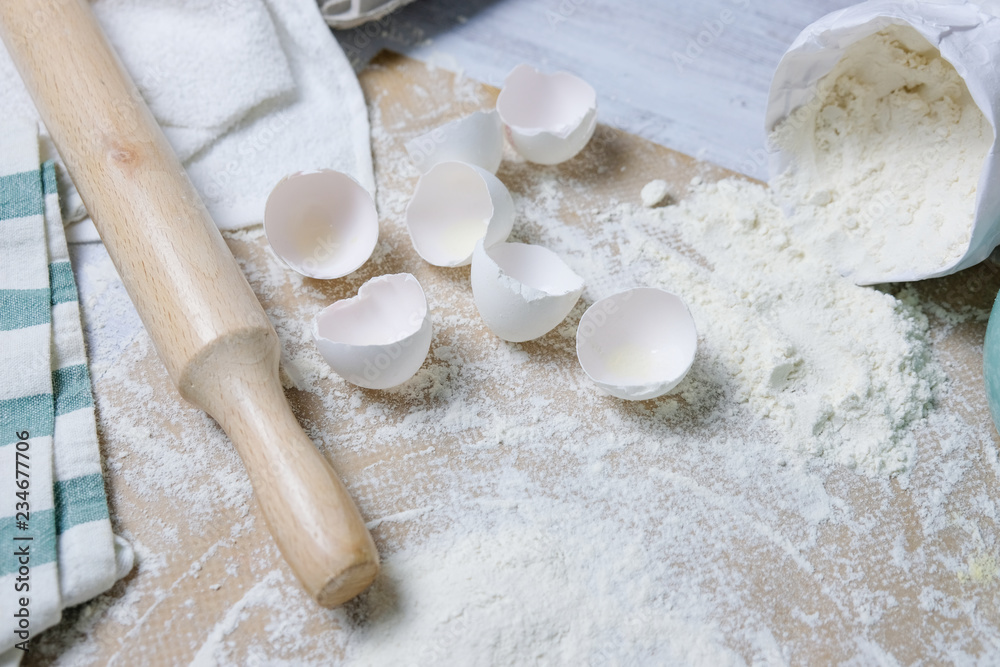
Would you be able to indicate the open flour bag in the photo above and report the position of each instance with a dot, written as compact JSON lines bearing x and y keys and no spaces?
{"x":882,"y":121}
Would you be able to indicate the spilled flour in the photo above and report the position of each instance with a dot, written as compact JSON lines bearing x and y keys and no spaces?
{"x":885,"y":166}
{"x":523,"y":517}
{"x":842,"y":371}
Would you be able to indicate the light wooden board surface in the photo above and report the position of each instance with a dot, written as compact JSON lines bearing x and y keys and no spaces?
{"x":712,"y":109}
{"x":210,"y":583}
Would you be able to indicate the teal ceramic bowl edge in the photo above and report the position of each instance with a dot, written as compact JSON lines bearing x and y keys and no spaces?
{"x":991,"y":362}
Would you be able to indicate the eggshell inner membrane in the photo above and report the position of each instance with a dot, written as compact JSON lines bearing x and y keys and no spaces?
{"x":638,"y":339}
{"x":535,"y":266}
{"x":322,"y":224}
{"x":449,"y":213}
{"x":385,"y":311}
{"x":553,"y":103}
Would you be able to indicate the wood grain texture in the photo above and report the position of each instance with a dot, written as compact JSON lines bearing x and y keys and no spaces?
{"x":208,"y":327}
{"x":887,"y":578}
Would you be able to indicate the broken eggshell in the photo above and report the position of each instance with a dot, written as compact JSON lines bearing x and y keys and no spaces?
{"x":522,"y":291}
{"x":379,"y":338}
{"x":322,"y":224}
{"x":549,"y":117}
{"x":637,"y":344}
{"x":454,"y":206}
{"x":476,"y":139}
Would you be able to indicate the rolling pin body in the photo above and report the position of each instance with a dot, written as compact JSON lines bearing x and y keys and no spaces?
{"x":208,"y":327}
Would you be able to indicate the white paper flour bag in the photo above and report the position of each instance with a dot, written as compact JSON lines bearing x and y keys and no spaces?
{"x":967,"y":36}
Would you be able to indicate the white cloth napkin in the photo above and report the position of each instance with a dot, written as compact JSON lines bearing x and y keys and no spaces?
{"x":59,"y":549}
{"x":247,"y":92}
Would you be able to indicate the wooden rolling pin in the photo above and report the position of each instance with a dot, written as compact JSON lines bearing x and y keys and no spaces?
{"x":208,"y":327}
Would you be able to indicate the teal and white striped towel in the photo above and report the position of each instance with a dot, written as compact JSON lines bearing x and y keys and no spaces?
{"x":56,"y":544}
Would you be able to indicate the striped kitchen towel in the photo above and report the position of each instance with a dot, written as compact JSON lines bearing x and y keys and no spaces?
{"x":56,"y":544}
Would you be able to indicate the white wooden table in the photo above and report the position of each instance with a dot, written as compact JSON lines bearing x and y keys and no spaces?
{"x":692,"y":76}
{"x":706,"y":101}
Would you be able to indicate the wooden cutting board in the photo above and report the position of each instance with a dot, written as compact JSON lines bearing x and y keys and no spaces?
{"x":210,"y":583}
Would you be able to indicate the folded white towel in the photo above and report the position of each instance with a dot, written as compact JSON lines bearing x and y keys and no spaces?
{"x":201,"y":65}
{"x":323,"y":123}
{"x":246,"y":93}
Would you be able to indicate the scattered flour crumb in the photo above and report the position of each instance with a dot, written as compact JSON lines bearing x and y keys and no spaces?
{"x":654,"y":193}
{"x":523,"y":518}
{"x":841,"y":372}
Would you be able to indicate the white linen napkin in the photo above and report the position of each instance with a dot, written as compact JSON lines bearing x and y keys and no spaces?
{"x":58,"y":546}
{"x":246,"y":93}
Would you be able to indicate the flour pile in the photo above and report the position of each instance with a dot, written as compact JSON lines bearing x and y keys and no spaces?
{"x":887,"y":161}
{"x":828,"y":368}
{"x":525,"y":518}
{"x":519,"y":580}
{"x":842,"y":371}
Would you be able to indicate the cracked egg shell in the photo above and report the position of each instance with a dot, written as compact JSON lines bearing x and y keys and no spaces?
{"x":322,"y":224}
{"x":454,"y":206}
{"x":637,"y":344}
{"x":522,"y":291}
{"x":379,"y":338}
{"x":476,"y":139}
{"x":549,"y":117}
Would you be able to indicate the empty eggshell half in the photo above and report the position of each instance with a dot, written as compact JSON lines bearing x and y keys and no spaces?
{"x":476,"y":139}
{"x":549,"y":117}
{"x":322,"y":224}
{"x":638,"y":344}
{"x":454,"y":206}
{"x":522,"y":291}
{"x":379,"y":338}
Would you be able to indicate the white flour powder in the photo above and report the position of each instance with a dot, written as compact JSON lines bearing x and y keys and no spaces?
{"x":519,"y":531}
{"x":654,"y":193}
{"x":523,"y":518}
{"x":886,"y":164}
{"x":842,"y":371}
{"x":829,"y":368}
